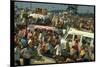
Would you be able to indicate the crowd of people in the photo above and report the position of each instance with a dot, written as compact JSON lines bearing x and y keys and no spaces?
{"x":34,"y":43}
{"x":58,"y":20}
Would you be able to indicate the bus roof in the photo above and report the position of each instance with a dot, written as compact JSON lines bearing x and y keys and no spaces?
{"x":77,"y":32}
{"x":41,"y":27}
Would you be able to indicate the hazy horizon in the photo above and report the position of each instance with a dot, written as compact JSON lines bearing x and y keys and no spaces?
{"x":49,"y":7}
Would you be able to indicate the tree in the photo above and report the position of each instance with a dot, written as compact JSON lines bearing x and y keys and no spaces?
{"x":72,"y":9}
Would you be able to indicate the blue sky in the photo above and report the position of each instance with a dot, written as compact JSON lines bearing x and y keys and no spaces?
{"x":81,"y":9}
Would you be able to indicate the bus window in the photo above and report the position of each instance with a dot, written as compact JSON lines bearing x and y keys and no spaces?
{"x":86,"y":40}
{"x":92,"y":42}
{"x":77,"y":37}
{"x":69,"y":37}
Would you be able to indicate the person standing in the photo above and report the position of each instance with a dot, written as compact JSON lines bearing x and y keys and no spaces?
{"x":17,"y":55}
{"x":76,"y":49}
{"x":27,"y":54}
{"x":58,"y":50}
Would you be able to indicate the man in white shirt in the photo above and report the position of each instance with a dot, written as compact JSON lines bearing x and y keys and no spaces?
{"x":27,"y":54}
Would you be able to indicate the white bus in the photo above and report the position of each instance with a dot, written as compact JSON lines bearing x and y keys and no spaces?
{"x":81,"y":36}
